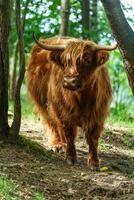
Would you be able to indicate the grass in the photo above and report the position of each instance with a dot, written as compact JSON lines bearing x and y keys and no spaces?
{"x":121,"y":115}
{"x":104,"y":147}
{"x":33,"y":147}
{"x":128,"y":141}
{"x":9,"y":191}
{"x":131,"y":176}
{"x":27,"y":108}
{"x":121,"y":118}
{"x":38,"y":196}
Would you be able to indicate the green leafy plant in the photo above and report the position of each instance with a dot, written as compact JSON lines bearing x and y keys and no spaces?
{"x":7,"y":189}
{"x":38,"y":196}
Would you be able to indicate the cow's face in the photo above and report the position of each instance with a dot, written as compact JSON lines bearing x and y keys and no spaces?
{"x":78,"y":62}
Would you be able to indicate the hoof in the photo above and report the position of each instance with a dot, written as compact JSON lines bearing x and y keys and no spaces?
{"x":57,"y":149}
{"x":95,"y":168}
{"x":93,"y":163}
{"x":71,"y":161}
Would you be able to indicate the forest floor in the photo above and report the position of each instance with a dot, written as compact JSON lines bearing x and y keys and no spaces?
{"x":35,"y":168}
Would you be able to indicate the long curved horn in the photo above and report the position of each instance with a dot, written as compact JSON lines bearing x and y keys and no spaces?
{"x":106,"y":47}
{"x":47,"y":46}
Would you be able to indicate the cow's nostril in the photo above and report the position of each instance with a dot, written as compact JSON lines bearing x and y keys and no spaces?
{"x":74,"y":81}
{"x":65,"y":83}
{"x":65,"y":79}
{"x":71,"y":83}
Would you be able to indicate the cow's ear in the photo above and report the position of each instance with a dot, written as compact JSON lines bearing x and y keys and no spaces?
{"x":55,"y":56}
{"x":101,"y":57}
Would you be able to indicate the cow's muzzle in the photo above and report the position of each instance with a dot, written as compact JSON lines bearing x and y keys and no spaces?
{"x":71,"y":83}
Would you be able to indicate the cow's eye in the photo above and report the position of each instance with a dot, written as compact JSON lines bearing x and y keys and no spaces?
{"x":86,"y":60}
{"x":78,"y":62}
{"x":68,"y":62}
{"x":62,"y":64}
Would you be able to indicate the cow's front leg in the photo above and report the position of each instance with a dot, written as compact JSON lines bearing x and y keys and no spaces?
{"x":56,"y":136}
{"x":70,"y":153}
{"x":92,"y":137}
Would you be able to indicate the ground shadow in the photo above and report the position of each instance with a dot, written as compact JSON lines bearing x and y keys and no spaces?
{"x":33,"y":167}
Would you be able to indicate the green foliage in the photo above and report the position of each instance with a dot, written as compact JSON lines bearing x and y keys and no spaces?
{"x":10,"y":191}
{"x":131,"y":176}
{"x":28,"y":111}
{"x":104,"y":147}
{"x":33,"y":147}
{"x":120,"y":118}
{"x":38,"y":196}
{"x":123,"y":101}
{"x":128,"y":142}
{"x":7,"y":189}
{"x":43,"y":19}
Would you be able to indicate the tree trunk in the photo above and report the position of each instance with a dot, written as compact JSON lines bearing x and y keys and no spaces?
{"x":123,"y":34}
{"x":5,"y":8}
{"x":65,"y":12}
{"x":94,"y":14}
{"x":15,"y":128}
{"x":13,"y":75}
{"x":85,"y":9}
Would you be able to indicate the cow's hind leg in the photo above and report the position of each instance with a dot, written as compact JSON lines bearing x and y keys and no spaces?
{"x":92,"y":137}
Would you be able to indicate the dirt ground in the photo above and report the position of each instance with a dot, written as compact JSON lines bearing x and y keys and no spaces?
{"x":50,"y":174}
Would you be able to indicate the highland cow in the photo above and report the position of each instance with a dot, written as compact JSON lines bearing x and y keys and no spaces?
{"x":69,"y":84}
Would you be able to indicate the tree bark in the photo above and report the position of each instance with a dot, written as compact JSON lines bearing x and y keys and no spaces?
{"x":85,"y":9}
{"x":15,"y":128}
{"x":5,"y":8}
{"x":123,"y":34}
{"x":65,"y":12}
{"x":94,"y":14}
{"x":13,"y":76}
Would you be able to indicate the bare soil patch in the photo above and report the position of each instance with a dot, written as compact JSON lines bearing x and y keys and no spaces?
{"x":47,"y":172}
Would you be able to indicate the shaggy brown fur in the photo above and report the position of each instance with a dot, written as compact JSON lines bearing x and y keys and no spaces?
{"x":63,"y":109}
